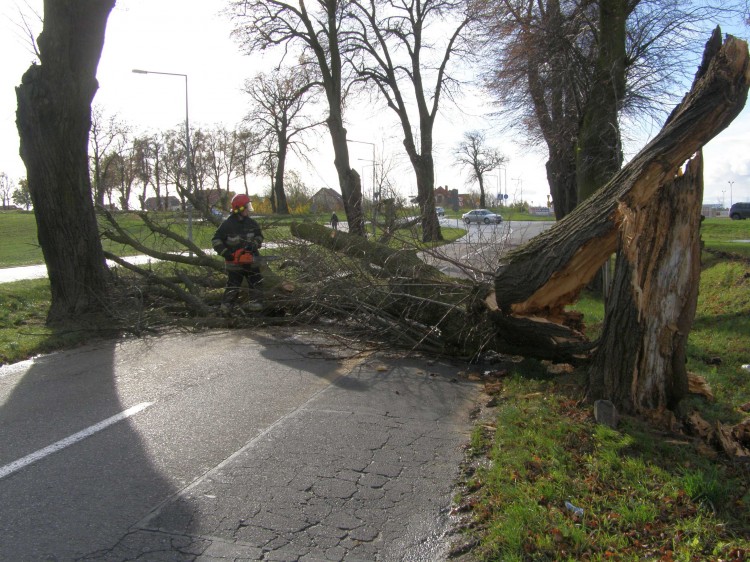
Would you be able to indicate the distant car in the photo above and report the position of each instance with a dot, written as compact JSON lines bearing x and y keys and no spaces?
{"x":440,"y":211}
{"x":481,"y":216}
{"x":740,"y":211}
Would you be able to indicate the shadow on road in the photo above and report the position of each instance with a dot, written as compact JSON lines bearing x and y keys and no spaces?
{"x":84,"y":497}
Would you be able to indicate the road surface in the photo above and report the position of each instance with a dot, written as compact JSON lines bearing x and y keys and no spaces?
{"x":229,"y":445}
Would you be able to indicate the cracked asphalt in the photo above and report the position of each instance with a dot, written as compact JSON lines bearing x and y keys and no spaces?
{"x":344,"y":456}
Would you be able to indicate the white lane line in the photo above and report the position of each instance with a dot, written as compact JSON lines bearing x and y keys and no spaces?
{"x":41,"y":453}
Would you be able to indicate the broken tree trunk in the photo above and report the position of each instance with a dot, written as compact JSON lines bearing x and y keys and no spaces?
{"x":549,"y":272}
{"x":640,"y":362}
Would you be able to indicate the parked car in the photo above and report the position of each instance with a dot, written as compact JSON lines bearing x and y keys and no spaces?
{"x":480,"y":216}
{"x":740,"y":211}
{"x":440,"y":211}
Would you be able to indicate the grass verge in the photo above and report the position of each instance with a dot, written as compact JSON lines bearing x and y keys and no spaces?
{"x":548,"y":483}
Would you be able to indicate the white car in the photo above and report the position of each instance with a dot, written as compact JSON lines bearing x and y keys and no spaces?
{"x":440,"y":211}
{"x":481,"y":216}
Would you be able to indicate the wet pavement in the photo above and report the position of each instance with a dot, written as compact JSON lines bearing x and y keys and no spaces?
{"x":298,"y":448}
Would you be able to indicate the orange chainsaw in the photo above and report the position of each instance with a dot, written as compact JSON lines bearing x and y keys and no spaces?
{"x":243,"y":256}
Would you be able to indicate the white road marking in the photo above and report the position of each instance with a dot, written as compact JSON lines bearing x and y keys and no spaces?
{"x":41,"y":453}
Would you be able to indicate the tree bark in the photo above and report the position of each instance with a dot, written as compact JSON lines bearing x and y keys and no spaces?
{"x":53,"y":120}
{"x":599,"y":153}
{"x":282,"y":207}
{"x":551,"y":270}
{"x":395,"y":262}
{"x":561,"y":177}
{"x":349,"y":180}
{"x":640,"y":362}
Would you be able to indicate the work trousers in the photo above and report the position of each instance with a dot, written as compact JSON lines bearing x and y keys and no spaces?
{"x":234,"y":282}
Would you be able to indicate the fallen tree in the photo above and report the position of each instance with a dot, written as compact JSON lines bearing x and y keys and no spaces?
{"x":648,"y":211}
{"x":539,"y":279}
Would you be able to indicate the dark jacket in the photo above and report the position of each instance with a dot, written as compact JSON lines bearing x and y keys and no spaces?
{"x":234,"y":234}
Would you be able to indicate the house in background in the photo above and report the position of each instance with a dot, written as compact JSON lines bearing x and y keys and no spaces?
{"x":714,"y":210}
{"x":170,"y":203}
{"x":451,"y":198}
{"x":326,"y":200}
{"x":214,"y":197}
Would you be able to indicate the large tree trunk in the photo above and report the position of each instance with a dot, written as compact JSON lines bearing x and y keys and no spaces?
{"x":53,"y":120}
{"x":282,"y":207}
{"x":424,"y":170}
{"x":561,"y":177}
{"x":349,"y":180}
{"x":599,"y":153}
{"x":640,"y":362}
{"x":652,"y":211}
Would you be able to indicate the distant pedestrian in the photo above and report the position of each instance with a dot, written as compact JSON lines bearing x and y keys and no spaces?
{"x":334,"y":222}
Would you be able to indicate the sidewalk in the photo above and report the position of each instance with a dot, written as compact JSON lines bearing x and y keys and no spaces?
{"x":10,"y":274}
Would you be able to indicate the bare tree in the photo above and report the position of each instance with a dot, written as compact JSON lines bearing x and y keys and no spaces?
{"x":54,"y":119}
{"x":474,"y":154}
{"x":21,"y":195}
{"x":119,"y":172}
{"x":313,"y":28}
{"x":278,"y":114}
{"x":246,"y":149}
{"x":6,"y":187}
{"x":382,"y":31}
{"x":105,"y":132}
{"x":222,"y":154}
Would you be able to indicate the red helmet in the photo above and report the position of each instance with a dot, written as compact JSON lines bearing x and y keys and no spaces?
{"x":240,"y":202}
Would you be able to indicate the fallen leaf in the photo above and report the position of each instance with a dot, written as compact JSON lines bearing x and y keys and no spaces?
{"x":699,"y":385}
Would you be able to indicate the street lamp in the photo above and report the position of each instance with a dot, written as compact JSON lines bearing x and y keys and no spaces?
{"x":188,"y":169}
{"x":731,"y":183}
{"x":493,"y":176}
{"x":504,"y":190}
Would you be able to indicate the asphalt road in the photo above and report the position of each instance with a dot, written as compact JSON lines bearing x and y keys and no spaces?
{"x":477,"y":254}
{"x":229,"y":445}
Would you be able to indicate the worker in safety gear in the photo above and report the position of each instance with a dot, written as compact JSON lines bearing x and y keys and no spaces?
{"x":238,"y":240}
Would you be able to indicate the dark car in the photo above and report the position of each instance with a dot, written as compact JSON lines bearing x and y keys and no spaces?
{"x":481,"y":216}
{"x":739,"y":211}
{"x":440,"y":211}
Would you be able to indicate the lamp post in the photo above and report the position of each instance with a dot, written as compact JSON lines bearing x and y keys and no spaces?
{"x":188,"y":169}
{"x":504,"y":190}
{"x":493,"y":176}
{"x":375,"y":206}
{"x":731,"y":183}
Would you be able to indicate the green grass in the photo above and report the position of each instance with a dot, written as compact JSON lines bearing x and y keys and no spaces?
{"x":23,"y":333}
{"x":20,"y":247}
{"x":18,"y":233}
{"x":723,"y":235}
{"x":643,"y":496}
